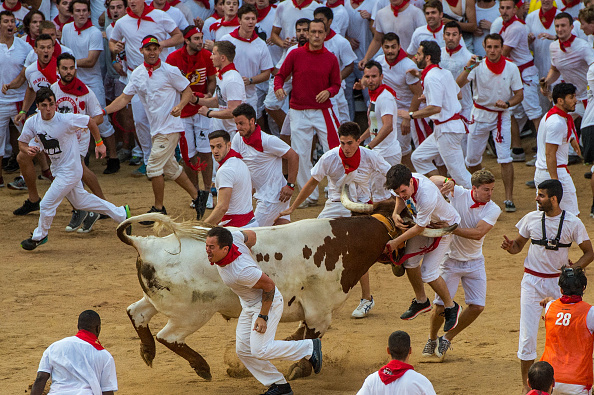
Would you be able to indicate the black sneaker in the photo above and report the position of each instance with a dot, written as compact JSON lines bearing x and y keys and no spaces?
{"x":30,"y":244}
{"x":200,"y":204}
{"x":415,"y":309}
{"x":153,"y":210}
{"x":89,"y":221}
{"x":316,"y":356}
{"x":443,"y":345}
{"x":78,"y":216}
{"x":12,"y":166}
{"x":279,"y":389}
{"x":451,"y":315}
{"x":113,"y":166}
{"x":510,"y":207}
{"x":588,"y":175}
{"x":27,"y":207}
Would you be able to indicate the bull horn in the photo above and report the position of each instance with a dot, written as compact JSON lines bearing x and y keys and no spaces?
{"x":428,"y":232}
{"x":346,"y":201}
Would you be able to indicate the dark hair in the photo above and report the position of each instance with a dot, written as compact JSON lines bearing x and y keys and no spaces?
{"x":553,"y":188}
{"x":225,"y":48}
{"x":565,"y":15}
{"x":220,"y":133}
{"x":302,"y":21}
{"x":431,"y":49}
{"x":246,"y":9}
{"x":7,"y":13}
{"x":373,"y":63}
{"x":326,"y":11}
{"x":562,"y":90}
{"x":46,"y":25}
{"x":43,"y":37}
{"x":541,"y":376}
{"x":43,"y":94}
{"x":187,"y":29}
{"x":223,"y":235}
{"x":399,"y":345}
{"x":29,"y":16}
{"x":586,"y":15}
{"x":351,"y":129}
{"x":493,"y":36}
{"x":452,"y":24}
{"x":85,"y":2}
{"x":391,"y":37}
{"x":316,"y":20}
{"x":433,"y":4}
{"x":89,"y":320}
{"x":573,"y":280}
{"x":108,"y":2}
{"x":65,"y":55}
{"x":246,"y":110}
{"x":397,"y":175}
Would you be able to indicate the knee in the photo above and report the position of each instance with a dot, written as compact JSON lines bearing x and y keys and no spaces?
{"x":476,"y":309}
{"x":259,"y":352}
{"x":24,"y":159}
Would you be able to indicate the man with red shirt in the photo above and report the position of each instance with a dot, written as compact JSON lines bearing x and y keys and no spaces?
{"x":316,"y":78}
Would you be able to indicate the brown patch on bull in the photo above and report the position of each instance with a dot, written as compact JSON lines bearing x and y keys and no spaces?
{"x":203,"y":296}
{"x":259,"y":257}
{"x":266,"y":257}
{"x":303,"y":368}
{"x":307,"y":252}
{"x":291,"y":301}
{"x":146,"y":273}
{"x":147,"y":342}
{"x":278,"y":256}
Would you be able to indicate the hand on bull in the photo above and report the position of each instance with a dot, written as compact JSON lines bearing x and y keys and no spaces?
{"x":260,"y":325}
{"x":399,"y":222}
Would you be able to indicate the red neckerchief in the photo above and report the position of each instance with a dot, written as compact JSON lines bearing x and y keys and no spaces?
{"x":216,"y":16}
{"x":255,"y":139}
{"x":87,"y":25}
{"x":537,"y":392}
{"x":476,"y":204}
{"x":190,"y":62}
{"x":13,"y":9}
{"x":352,"y":163}
{"x":338,"y":3}
{"x":222,"y":71}
{"x":570,"y":124}
{"x":30,"y":41}
{"x":413,"y":196}
{"x":89,"y":338}
{"x":206,"y":5}
{"x":373,"y":95}
{"x":508,"y":23}
{"x":452,"y":3}
{"x":232,"y":255}
{"x":235,"y":34}
{"x":331,"y":34}
{"x":50,"y":72}
{"x":436,"y":30}
{"x":401,"y":55}
{"x":263,"y":13}
{"x":57,"y":50}
{"x":567,"y":299}
{"x":147,"y":9}
{"x":547,"y":18}
{"x":425,"y":71}
{"x":303,"y":5}
{"x":60,"y":24}
{"x":497,"y":67}
{"x":230,"y":154}
{"x":317,"y":51}
{"x":396,"y":8}
{"x":566,"y":44}
{"x":151,"y":67}
{"x":217,"y":25}
{"x":453,"y":51}
{"x":569,"y":4}
{"x":393,"y":371}
{"x":76,"y":87}
{"x":165,"y":7}
{"x":173,"y":3}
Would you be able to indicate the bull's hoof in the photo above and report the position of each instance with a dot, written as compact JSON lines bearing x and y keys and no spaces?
{"x":205,"y":374}
{"x":238,"y":372}
{"x":299,"y":370}
{"x":148,"y":354}
{"x":398,"y":270}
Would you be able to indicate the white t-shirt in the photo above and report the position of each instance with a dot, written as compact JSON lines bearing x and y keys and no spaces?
{"x":158,"y":95}
{"x":340,"y":22}
{"x":265,"y":167}
{"x":398,"y":79}
{"x":488,"y":14}
{"x":230,"y":87}
{"x":89,"y":39}
{"x":18,"y":16}
{"x":588,"y":118}
{"x":358,"y":27}
{"x":287,"y":14}
{"x":383,"y":3}
{"x":35,"y":78}
{"x":540,"y":46}
{"x":235,"y":174}
{"x":441,"y":90}
{"x":411,"y":383}
{"x":463,"y":249}
{"x":552,"y":130}
{"x":573,"y":64}
{"x":178,"y":17}
{"x":59,"y":138}
{"x":540,"y":259}
{"x":221,"y":31}
{"x":455,"y":65}
{"x":489,"y":87}
{"x":265,"y":26}
{"x":404,"y":25}
{"x":198,"y":10}
{"x":430,"y":204}
{"x":422,"y":33}
{"x":341,"y":48}
{"x":12,"y":60}
{"x":384,"y":105}
{"x":85,"y":104}
{"x":32,"y":56}
{"x":78,"y":368}
{"x":516,"y":37}
{"x":372,"y":165}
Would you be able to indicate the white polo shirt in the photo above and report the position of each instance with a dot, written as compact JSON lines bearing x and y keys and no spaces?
{"x":158,"y":95}
{"x":430,"y":204}
{"x":398,"y":79}
{"x":89,"y":39}
{"x":516,"y":37}
{"x":404,"y":25}
{"x":540,"y":46}
{"x":385,"y":104}
{"x":411,"y":383}
{"x":441,"y":90}
{"x":265,"y":167}
{"x":573,"y":64}
{"x":235,"y":174}
{"x":287,"y":14}
{"x":455,"y":64}
{"x":35,"y":78}
{"x":552,"y":130}
{"x":12,"y":60}
{"x":230,"y":87}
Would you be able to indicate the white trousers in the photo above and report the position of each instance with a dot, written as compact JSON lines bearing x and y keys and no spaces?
{"x":255,"y":349}
{"x":105,"y":129}
{"x":341,"y":107}
{"x":267,"y":212}
{"x":570,"y":389}
{"x":143,"y":128}
{"x":7,"y":112}
{"x":71,"y":188}
{"x":471,"y":274}
{"x":431,"y":260}
{"x":334,"y":210}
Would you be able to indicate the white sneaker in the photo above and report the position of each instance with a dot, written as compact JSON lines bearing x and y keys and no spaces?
{"x":209,"y":202}
{"x":363,"y":309}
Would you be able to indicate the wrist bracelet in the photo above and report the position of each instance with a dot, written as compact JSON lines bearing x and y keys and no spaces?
{"x":367,"y":146}
{"x":103,"y":111}
{"x":208,"y":113}
{"x":114,"y":61}
{"x":22,"y":112}
{"x":98,"y":143}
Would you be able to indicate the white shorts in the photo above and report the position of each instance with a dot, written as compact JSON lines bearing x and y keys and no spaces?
{"x":266,"y":212}
{"x":271,"y":102}
{"x":431,"y":260}
{"x":531,"y":103}
{"x":569,"y":200}
{"x":197,"y":129}
{"x":473,"y":276}
{"x":334,"y":210}
{"x":570,"y":389}
{"x":405,"y":140}
{"x":479,"y":135}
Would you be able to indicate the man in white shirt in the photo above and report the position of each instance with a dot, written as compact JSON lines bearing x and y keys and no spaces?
{"x":551,"y":234}
{"x":261,"y":310}
{"x":78,"y":364}
{"x":225,"y":25}
{"x":454,"y":56}
{"x":287,"y":14}
{"x":19,"y":12}
{"x":340,"y":19}
{"x":398,"y":377}
{"x":433,"y":30}
{"x":541,"y":31}
{"x":64,"y":16}
{"x":173,"y":12}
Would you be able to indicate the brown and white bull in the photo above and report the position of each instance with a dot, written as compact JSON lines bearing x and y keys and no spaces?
{"x":314,"y":263}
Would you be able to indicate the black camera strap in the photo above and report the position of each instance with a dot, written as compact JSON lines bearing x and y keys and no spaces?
{"x":543,"y":241}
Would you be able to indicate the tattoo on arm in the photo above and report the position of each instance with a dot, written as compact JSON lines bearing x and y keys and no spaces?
{"x":268,"y":296}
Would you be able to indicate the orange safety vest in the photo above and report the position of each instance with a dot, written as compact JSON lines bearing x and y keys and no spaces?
{"x":569,"y":343}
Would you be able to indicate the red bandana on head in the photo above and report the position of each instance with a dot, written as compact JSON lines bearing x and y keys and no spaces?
{"x":338,"y":3}
{"x":352,"y":163}
{"x":373,"y":95}
{"x":232,"y":255}
{"x":217,"y":25}
{"x":547,"y":18}
{"x":569,"y":4}
{"x":393,"y":371}
{"x":16,"y":7}
{"x":570,"y":124}
{"x":166,"y":7}
{"x":50,"y":72}
{"x":151,"y":67}
{"x":89,"y":338}
{"x":401,"y":55}
{"x":76,"y":87}
{"x":396,"y":8}
{"x":235,"y":34}
{"x":255,"y":139}
{"x":147,"y":9}
{"x":476,"y":204}
{"x":303,"y":5}
{"x":508,"y":23}
{"x":222,"y":71}
{"x":436,"y":30}
{"x":87,"y":25}
{"x":496,"y":67}
{"x":567,"y":299}
{"x":566,"y":44}
{"x":60,"y":24}
{"x":263,"y":13}
{"x":230,"y":154}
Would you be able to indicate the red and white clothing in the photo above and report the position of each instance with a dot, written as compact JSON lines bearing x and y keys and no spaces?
{"x":59,"y":25}
{"x":358,"y":27}
{"x":341,"y":48}
{"x":410,"y":383}
{"x":454,"y":61}
{"x":177,"y":15}
{"x":208,"y":22}
{"x":79,"y":367}
{"x":230,"y":86}
{"x":422,"y":33}
{"x":403,"y":25}
{"x":234,"y":173}
{"x":58,"y":49}
{"x":287,"y":13}
{"x":19,"y":14}
{"x":540,"y":46}
{"x":39,"y":78}
{"x":488,"y":14}
{"x":541,"y":268}
{"x":571,"y":7}
{"x":588,"y":118}
{"x":265,"y":24}
{"x":380,"y":104}
{"x":340,"y":22}
{"x":220,"y":28}
{"x":200,"y":9}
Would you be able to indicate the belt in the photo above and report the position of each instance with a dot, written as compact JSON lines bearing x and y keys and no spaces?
{"x":498,"y":137}
{"x":541,"y":275}
{"x":454,"y":118}
{"x":422,"y":128}
{"x":565,"y":167}
{"x":524,"y":67}
{"x":237,"y":220}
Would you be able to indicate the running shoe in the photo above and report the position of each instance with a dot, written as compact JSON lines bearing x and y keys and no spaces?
{"x":415,"y":309}
{"x":316,"y":356}
{"x":140,"y":172}
{"x":30,"y":244}
{"x":510,"y":207}
{"x":88,"y":222}
{"x":153,"y":210}
{"x":429,"y":349}
{"x":451,"y":315}
{"x":279,"y":389}
{"x":18,"y":184}
{"x":78,"y":216}
{"x":364,"y":308}
{"x":113,"y":166}
{"x":27,"y":207}
{"x":443,"y":345}
{"x":135,"y":161}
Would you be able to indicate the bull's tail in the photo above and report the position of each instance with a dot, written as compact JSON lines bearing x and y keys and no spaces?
{"x":164,"y":223}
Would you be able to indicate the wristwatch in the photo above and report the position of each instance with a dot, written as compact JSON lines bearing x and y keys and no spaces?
{"x":264,"y":317}
{"x":410,"y":114}
{"x":251,"y":81}
{"x":508,"y":105}
{"x":291,"y":185}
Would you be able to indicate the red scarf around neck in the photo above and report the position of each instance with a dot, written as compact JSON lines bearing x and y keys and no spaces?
{"x":427,"y":70}
{"x":567,"y":299}
{"x":147,"y":9}
{"x":230,"y":154}
{"x":393,"y":371}
{"x":497,"y":67}
{"x":50,"y":72}
{"x":166,"y":7}
{"x":17,"y":7}
{"x":453,"y":3}
{"x":30,"y":41}
{"x":396,"y":8}
{"x":189,"y":62}
{"x":263,"y":13}
{"x":151,"y":67}
{"x":509,"y":23}
{"x":547,"y":18}
{"x":87,"y":25}
{"x":316,"y":51}
{"x":222,"y":22}
{"x":569,"y":4}
{"x":352,"y":163}
{"x":235,"y":34}
{"x":416,"y":189}
{"x":357,"y":3}
{"x":173,"y":3}
{"x":232,"y":255}
{"x":216,"y":16}
{"x":476,"y":204}
{"x":436,"y":30}
{"x":453,"y":51}
{"x":222,"y":71}
{"x":566,"y":44}
{"x":57,"y":50}
{"x":303,"y":5}
{"x":76,"y":87}
{"x":373,"y":95}
{"x":401,"y":55}
{"x":89,"y":338}
{"x":60,"y":24}
{"x":255,"y":139}
{"x":570,"y":124}
{"x":338,"y":3}
{"x":331,"y":34}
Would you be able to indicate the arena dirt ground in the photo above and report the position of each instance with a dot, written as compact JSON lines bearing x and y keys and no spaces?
{"x":42,"y":292}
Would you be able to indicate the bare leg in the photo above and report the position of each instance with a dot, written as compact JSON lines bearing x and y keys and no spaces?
{"x":110,"y":144}
{"x":436,"y":321}
{"x":184,"y":182}
{"x":414,"y":277}
{"x":28,"y":172}
{"x":206,"y":173}
{"x":472,"y":169}
{"x":441,"y":289}
{"x":467,"y":317}
{"x":525,"y":366}
{"x":507,"y":173}
{"x":278,"y":116}
{"x":435,"y":172}
{"x":192,"y":174}
{"x":43,"y":162}
{"x":515,"y":134}
{"x":365,"y":287}
{"x":158,"y":183}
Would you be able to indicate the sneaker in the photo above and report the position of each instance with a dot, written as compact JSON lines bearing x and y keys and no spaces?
{"x":429,"y":349}
{"x":308,"y":203}
{"x":135,"y":161}
{"x":415,"y":309}
{"x":519,"y":157}
{"x":46,"y":175}
{"x":78,"y":216}
{"x":510,"y":207}
{"x":113,"y":166}
{"x":451,"y":315}
{"x":279,"y":389}
{"x":443,"y":345}
{"x":1,"y":182}
{"x":30,"y":244}
{"x":531,"y":163}
{"x":140,"y":172}
{"x":526,"y":132}
{"x":89,"y":221}
{"x":18,"y":184}
{"x":124,"y":155}
{"x":153,"y":210}
{"x":27,"y":207}
{"x":530,"y":184}
{"x":573,"y":160}
{"x":588,"y":175}
{"x":12,"y":166}
{"x":209,"y":202}
{"x":200,"y":204}
{"x":363,"y":309}
{"x":316,"y":356}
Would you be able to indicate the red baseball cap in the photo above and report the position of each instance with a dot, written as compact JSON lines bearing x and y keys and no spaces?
{"x":148,"y":40}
